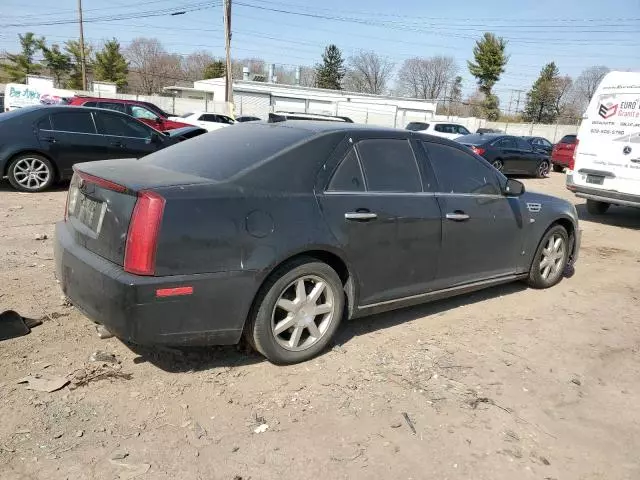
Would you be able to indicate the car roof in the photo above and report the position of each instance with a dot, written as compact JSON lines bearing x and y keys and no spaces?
{"x":324,"y":126}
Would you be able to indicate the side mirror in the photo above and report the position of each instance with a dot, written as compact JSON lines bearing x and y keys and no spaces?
{"x":155,"y":138}
{"x":513,"y":188}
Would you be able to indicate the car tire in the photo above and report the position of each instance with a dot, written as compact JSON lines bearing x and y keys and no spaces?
{"x":498,"y":165}
{"x":551,"y":258}
{"x":30,"y":173}
{"x":542,"y":171}
{"x":595,"y":207}
{"x":299,"y":294}
{"x":558,"y":168}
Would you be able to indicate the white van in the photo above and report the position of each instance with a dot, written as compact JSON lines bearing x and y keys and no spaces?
{"x":606,"y":164}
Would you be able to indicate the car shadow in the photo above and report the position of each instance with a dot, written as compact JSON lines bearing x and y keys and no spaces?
{"x":625,"y":217}
{"x":63,"y":186}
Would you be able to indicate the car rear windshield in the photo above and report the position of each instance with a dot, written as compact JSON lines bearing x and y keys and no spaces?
{"x":224,"y":153}
{"x":474,"y":139}
{"x":568,"y":139}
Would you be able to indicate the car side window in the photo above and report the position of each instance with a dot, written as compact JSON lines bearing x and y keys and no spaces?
{"x":462,"y":130}
{"x":44,"y":123}
{"x":545,"y":142}
{"x":90,"y":104}
{"x":208,"y":117}
{"x":118,"y":107}
{"x":348,"y":176}
{"x":75,"y":122}
{"x":445,"y":128}
{"x":459,"y":172}
{"x":505,"y":143}
{"x":523,"y":144}
{"x":140,"y":112}
{"x":120,"y":126}
{"x":389,"y":165}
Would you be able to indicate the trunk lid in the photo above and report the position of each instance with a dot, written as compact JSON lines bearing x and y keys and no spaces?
{"x":102,"y":197}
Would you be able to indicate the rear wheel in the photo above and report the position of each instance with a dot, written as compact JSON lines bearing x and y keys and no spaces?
{"x":597,"y":208}
{"x":498,"y":165}
{"x":543,"y":169}
{"x":558,"y":168}
{"x":298,"y":311}
{"x":31,"y":173}
{"x":550,"y":259}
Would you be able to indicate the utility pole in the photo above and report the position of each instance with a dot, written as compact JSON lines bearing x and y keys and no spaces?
{"x":227,"y":33}
{"x":83,"y":62}
{"x":518,"y":101}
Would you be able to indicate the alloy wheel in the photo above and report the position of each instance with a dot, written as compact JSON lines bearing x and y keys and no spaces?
{"x":31,"y":173}
{"x":553,"y":255}
{"x":543,"y":169}
{"x":498,"y":165}
{"x":303,"y":313}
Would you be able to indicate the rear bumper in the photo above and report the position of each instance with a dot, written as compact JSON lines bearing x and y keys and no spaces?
{"x":127,"y":304}
{"x":561,"y":161}
{"x":602,"y":195}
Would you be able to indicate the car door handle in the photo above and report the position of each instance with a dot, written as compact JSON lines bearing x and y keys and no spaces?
{"x":457,"y":216}
{"x":50,"y":139}
{"x":360,"y":216}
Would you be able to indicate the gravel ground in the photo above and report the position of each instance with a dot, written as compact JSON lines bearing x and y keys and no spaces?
{"x":506,"y":383}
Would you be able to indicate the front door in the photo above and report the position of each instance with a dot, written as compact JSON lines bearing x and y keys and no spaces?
{"x":388,"y":227}
{"x":481,"y":228}
{"x":509,"y":153}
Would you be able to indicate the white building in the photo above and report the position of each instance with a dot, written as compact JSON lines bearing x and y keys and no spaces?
{"x":261,"y":98}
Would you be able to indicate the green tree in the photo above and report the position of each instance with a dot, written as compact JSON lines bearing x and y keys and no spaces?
{"x":331,"y":71}
{"x":542,"y":99}
{"x":72,"y":47}
{"x":110,"y":64}
{"x":57,"y":62}
{"x":19,"y":65}
{"x":489,"y":62}
{"x":215,"y":69}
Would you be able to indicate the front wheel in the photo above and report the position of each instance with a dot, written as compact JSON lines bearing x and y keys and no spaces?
{"x":298,"y":312}
{"x":597,"y":208}
{"x":550,"y":259}
{"x":30,"y":173}
{"x":543,"y":169}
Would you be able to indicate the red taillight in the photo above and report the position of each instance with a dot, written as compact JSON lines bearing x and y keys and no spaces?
{"x":572,"y":160}
{"x":142,"y":238}
{"x":478,"y":150}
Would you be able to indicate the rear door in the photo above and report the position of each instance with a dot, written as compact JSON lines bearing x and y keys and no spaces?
{"x":526,"y":160}
{"x":73,"y":139}
{"x":388,"y":226}
{"x":125,"y":137}
{"x":481,"y":228}
{"x":508,"y":153}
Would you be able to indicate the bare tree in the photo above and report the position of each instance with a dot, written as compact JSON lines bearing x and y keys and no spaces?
{"x":426,"y":77}
{"x":193,"y":65}
{"x":587,"y":83}
{"x":255,"y":65}
{"x":367,"y":72}
{"x":307,"y":76}
{"x":151,"y":67}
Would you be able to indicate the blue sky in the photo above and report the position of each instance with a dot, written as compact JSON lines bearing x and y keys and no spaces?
{"x":575,"y":34}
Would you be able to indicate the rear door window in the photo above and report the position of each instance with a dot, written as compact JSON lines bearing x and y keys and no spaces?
{"x":118,"y":107}
{"x":506,"y":143}
{"x":120,"y":126}
{"x":141,"y":112}
{"x":90,"y":104}
{"x":444,"y":128}
{"x":208,"y":117}
{"x":389,"y":165}
{"x":348,"y":176}
{"x":459,"y":172}
{"x":523,"y":144}
{"x":74,"y":122}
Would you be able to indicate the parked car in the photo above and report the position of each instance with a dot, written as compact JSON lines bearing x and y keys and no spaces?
{"x":280,"y":116}
{"x":39,"y":145}
{"x":508,"y":154}
{"x":605,"y":168}
{"x":247,"y":118}
{"x":562,"y":153}
{"x":209,"y":121}
{"x":540,"y":144}
{"x":137,"y":109}
{"x":489,"y":130}
{"x":439,"y":129}
{"x":185,"y":133}
{"x":200,"y":250}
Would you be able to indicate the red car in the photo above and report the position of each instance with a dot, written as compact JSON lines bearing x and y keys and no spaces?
{"x":562,"y":152}
{"x":144,"y":111}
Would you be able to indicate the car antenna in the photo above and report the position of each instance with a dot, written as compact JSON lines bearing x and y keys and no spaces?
{"x":275,"y":118}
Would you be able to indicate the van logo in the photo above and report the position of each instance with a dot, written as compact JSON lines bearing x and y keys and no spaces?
{"x":626,"y":150}
{"x":606,"y":111}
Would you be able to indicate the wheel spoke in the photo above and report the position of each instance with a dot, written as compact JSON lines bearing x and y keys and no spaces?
{"x":557,"y":244}
{"x":41,"y":168}
{"x":544,"y":262}
{"x":301,"y":291}
{"x":545,"y":271}
{"x":316,"y":292}
{"x":287,"y":305}
{"x":314,"y":331}
{"x":323,"y":309}
{"x":295,"y":336}
{"x":285,"y":324}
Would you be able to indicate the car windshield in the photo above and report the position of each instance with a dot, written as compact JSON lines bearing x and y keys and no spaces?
{"x":224,"y":153}
{"x":474,"y":139}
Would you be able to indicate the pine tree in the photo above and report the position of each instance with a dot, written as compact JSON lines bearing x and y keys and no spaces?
{"x":72,"y":47}
{"x":110,"y":64}
{"x":331,"y":71}
{"x":215,"y":69}
{"x":58,"y":63}
{"x":21,"y":64}
{"x":490,"y":60}
{"x":542,"y":99}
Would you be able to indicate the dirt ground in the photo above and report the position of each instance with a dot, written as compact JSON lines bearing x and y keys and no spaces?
{"x":507,"y":383}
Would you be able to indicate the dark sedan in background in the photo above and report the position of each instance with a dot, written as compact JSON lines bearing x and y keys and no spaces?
{"x":280,"y":230}
{"x":39,"y":145}
{"x":508,"y":154}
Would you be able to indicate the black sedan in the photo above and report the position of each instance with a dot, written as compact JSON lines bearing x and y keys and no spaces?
{"x":540,"y":144}
{"x":508,"y":154}
{"x":39,"y":145}
{"x":279,"y":231}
